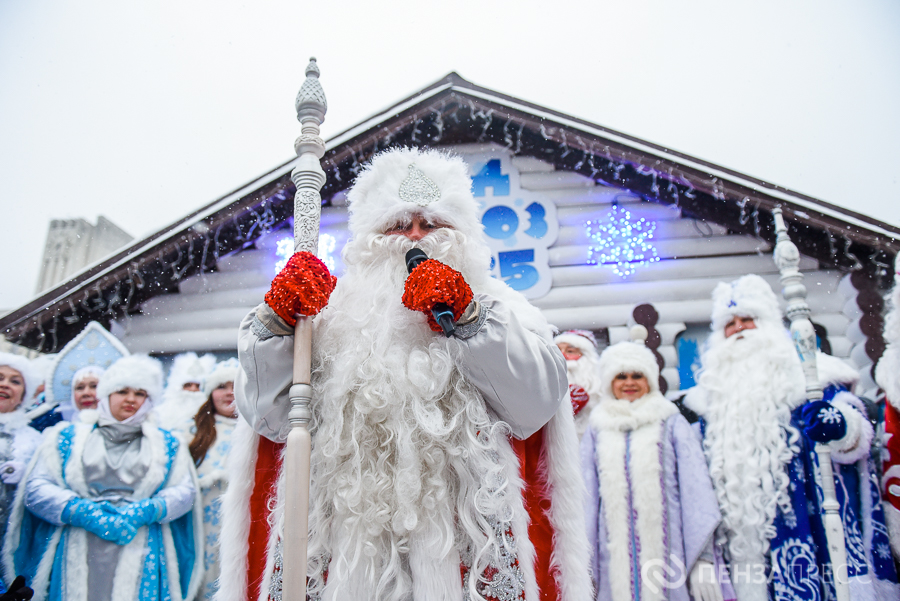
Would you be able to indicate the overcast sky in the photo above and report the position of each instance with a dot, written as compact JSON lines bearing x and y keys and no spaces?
{"x":143,"y":111}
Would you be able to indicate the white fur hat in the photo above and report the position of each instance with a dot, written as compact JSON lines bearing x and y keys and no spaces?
{"x":188,"y":367}
{"x":401,"y":182}
{"x":625,"y":357}
{"x":140,"y":372}
{"x":747,"y":296}
{"x":226,"y":371}
{"x":583,"y":340}
{"x":24,"y":366}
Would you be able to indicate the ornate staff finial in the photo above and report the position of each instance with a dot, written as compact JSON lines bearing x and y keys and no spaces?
{"x":308,"y":176}
{"x":787,"y":258}
{"x":311,"y":97}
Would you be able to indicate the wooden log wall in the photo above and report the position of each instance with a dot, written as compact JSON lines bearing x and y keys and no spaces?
{"x":694,"y":257}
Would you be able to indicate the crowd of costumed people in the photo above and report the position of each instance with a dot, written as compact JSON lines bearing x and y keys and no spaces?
{"x":111,"y":482}
{"x":507,"y":461}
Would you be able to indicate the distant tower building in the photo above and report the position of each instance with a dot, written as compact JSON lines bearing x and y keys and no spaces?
{"x":73,"y":244}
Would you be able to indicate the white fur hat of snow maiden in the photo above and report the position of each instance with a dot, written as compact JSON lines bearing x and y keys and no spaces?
{"x":583,"y":340}
{"x":403,"y":182}
{"x":140,"y":372}
{"x":226,"y":371}
{"x":747,"y":296}
{"x":628,"y":357}
{"x":24,"y":366}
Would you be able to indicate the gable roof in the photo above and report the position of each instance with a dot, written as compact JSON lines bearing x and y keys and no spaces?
{"x":450,"y":111}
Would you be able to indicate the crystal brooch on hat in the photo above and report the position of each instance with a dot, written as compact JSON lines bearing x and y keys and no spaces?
{"x":418,"y":189}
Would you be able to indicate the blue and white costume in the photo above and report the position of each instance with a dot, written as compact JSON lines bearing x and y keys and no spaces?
{"x":759,"y":437}
{"x":109,"y":510}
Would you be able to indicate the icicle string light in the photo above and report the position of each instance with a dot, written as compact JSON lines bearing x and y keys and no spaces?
{"x":602,"y":162}
{"x":621,"y":241}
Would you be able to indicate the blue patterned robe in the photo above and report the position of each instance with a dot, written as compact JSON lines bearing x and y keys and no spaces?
{"x":798,"y":565}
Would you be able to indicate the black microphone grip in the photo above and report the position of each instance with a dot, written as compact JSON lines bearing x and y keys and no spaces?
{"x":440,"y":311}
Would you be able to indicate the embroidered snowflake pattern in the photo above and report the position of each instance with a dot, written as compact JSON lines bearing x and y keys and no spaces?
{"x":211,"y":514}
{"x":830,"y":415}
{"x":882,"y":550}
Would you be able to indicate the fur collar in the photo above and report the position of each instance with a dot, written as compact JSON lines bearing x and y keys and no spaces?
{"x":613,"y":414}
{"x":13,"y":420}
{"x":832,"y":370}
{"x":632,"y":500}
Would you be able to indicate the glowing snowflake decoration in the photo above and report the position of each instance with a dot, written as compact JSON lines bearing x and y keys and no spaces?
{"x":622,"y":241}
{"x":284,"y":249}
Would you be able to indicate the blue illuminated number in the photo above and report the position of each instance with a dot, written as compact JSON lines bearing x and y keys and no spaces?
{"x":491,"y":177}
{"x":536,"y":214}
{"x":515,"y":271}
{"x":500,"y":222}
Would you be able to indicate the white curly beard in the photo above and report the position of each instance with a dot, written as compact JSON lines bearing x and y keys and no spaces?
{"x":408,"y":466}
{"x":753,"y":380}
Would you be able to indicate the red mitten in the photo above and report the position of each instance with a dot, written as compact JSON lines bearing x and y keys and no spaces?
{"x":301,"y":288}
{"x":579,"y":398}
{"x":432,"y":282}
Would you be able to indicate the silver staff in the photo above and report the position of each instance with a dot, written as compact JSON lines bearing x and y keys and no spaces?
{"x":308,"y":177}
{"x":787,"y":258}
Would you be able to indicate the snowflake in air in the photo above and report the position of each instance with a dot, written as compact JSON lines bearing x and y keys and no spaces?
{"x":621,"y":240}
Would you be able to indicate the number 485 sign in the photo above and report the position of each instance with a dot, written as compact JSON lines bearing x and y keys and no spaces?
{"x":519,"y":226}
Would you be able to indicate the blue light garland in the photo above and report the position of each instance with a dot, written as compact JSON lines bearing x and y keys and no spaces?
{"x":284,"y":249}
{"x":621,"y":241}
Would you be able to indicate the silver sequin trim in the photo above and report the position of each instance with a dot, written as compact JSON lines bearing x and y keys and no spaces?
{"x":508,"y":582}
{"x":418,"y":189}
{"x":275,"y":585}
{"x":259,"y":330}
{"x":468,"y":330}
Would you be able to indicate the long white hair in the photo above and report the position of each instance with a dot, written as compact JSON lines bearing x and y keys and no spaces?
{"x":406,"y":454}
{"x":753,"y":380}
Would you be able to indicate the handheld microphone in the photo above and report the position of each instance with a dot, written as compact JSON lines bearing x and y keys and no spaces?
{"x":440,"y":311}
